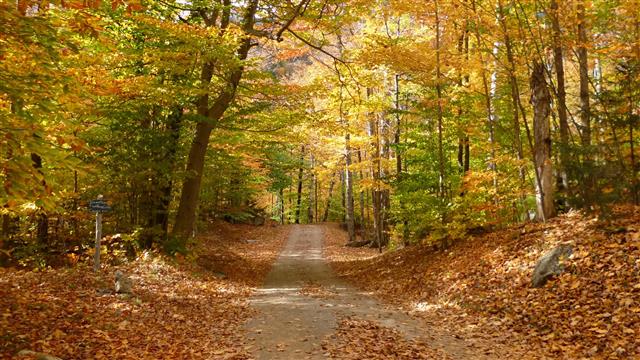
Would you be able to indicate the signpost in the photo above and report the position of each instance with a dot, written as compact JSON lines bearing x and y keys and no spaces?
{"x":98,"y":206}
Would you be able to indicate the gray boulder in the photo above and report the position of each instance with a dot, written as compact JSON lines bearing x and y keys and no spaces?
{"x":550,"y":265}
{"x":123,"y":284}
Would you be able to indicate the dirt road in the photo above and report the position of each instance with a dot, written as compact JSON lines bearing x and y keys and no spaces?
{"x":302,"y":300}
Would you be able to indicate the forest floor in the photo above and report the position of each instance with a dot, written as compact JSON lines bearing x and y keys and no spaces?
{"x":295,"y":292}
{"x":480,"y":286}
{"x":185,"y":308}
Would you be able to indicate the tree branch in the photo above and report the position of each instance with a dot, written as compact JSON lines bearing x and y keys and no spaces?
{"x":316,"y":47}
{"x":299,"y":11}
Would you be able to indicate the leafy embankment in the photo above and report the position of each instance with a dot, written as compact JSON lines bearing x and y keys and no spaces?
{"x":482,"y":285}
{"x":178,"y":309}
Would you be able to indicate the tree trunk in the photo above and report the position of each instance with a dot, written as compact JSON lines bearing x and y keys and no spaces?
{"x":375,"y":168}
{"x":585,"y":107}
{"x":396,"y":103}
{"x":310,"y":212}
{"x":488,"y":91}
{"x":332,"y":183}
{"x":541,"y":100}
{"x":348,"y":175}
{"x":463,"y":154}
{"x":632,"y":120}
{"x":558,"y":59}
{"x":343,"y":197}
{"x":385,"y":173}
{"x":377,"y":191}
{"x":300,"y":172}
{"x":441,"y":172}
{"x":186,"y":216}
{"x":162,"y":207}
{"x":634,"y":177}
{"x":363,"y":219}
{"x":515,"y":92}
{"x":281,"y":204}
{"x":42,"y":228}
{"x":8,"y":220}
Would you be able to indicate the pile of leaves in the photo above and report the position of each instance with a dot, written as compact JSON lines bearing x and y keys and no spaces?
{"x":362,"y":339}
{"x":177,"y":309}
{"x":316,"y":290}
{"x":483,"y":285}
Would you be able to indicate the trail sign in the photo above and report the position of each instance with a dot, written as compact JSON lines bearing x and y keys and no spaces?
{"x":99,"y":205}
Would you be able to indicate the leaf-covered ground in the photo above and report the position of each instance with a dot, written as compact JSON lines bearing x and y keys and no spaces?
{"x":480,"y":287}
{"x":357,"y":339}
{"x":189,"y":309}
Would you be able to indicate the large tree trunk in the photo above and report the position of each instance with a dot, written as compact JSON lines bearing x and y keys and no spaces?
{"x":541,"y":100}
{"x":186,"y":216}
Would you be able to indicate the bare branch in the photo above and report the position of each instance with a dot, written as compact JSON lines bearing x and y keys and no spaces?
{"x":300,"y":9}
{"x":316,"y":47}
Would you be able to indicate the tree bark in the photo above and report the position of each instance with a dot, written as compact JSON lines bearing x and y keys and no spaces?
{"x":541,"y":100}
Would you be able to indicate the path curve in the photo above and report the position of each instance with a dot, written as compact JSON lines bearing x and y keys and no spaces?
{"x":291,"y":324}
